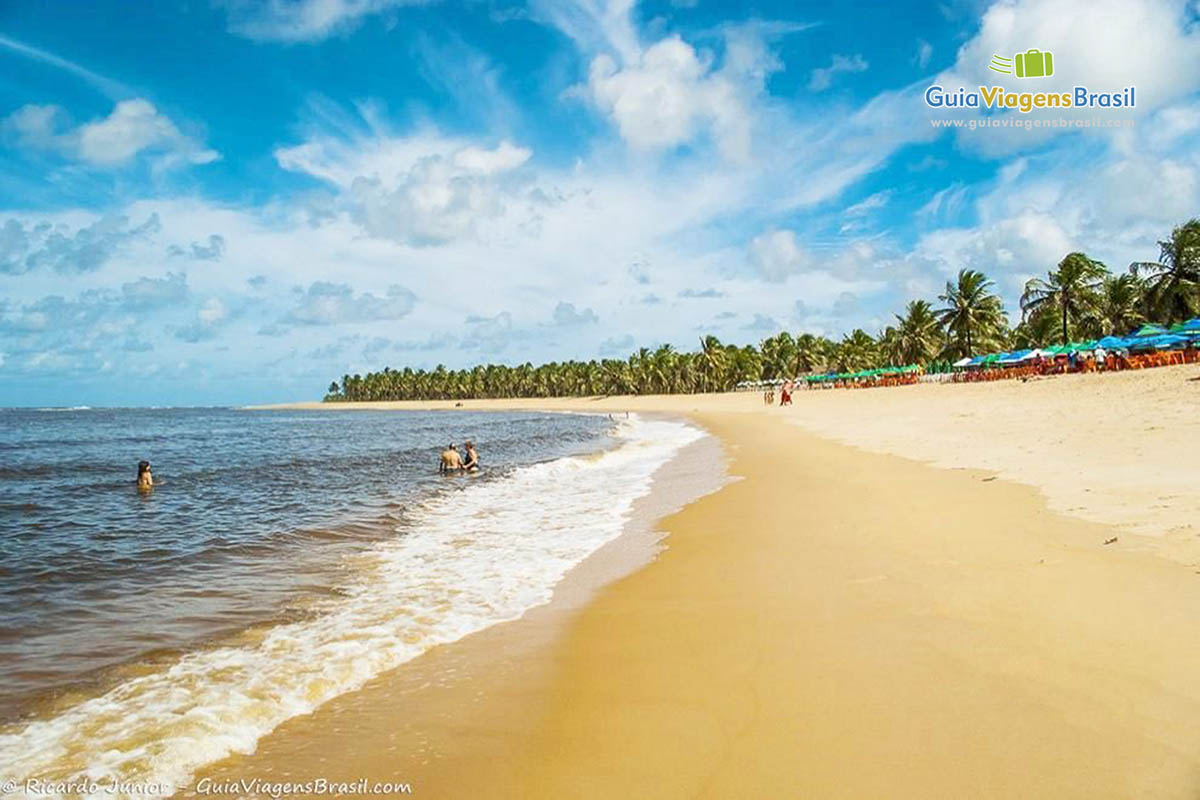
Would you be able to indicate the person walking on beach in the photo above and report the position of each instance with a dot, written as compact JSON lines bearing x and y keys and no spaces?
{"x":451,"y":461}
{"x":145,"y":479}
{"x":472,"y":462}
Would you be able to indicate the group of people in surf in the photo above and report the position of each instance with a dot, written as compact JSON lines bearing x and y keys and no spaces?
{"x":454,"y":462}
{"x":451,"y":462}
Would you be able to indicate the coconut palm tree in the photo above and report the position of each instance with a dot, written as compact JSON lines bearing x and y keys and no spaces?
{"x":1038,"y":329}
{"x":812,"y":353}
{"x":973,"y":315}
{"x":778,"y":356}
{"x":1121,"y":305}
{"x":1173,"y":282}
{"x":712,"y":363}
{"x":1073,"y":289}
{"x":857,"y":351}
{"x":918,"y":336}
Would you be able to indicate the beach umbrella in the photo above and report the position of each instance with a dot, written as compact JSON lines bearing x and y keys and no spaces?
{"x":1149,"y":329}
{"x":1164,"y":342}
{"x":1015,"y":357}
{"x":1111,"y":342}
{"x":962,"y":362}
{"x":1170,"y":342}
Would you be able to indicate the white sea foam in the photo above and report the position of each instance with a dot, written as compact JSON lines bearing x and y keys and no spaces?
{"x":471,"y":559}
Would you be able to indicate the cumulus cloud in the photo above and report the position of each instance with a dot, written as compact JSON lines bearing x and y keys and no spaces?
{"x":1106,"y":45}
{"x":491,"y":335}
{"x":26,"y":248}
{"x":132,"y":128}
{"x":211,"y":315}
{"x":210,"y":250}
{"x":151,"y":293}
{"x":776,"y":254}
{"x":763,"y":324}
{"x":326,"y":303}
{"x":822,"y":77}
{"x":670,"y":93}
{"x":425,"y":190}
{"x":567,"y":314}
{"x":668,"y":96}
{"x":617,"y":345}
{"x":302,"y":20}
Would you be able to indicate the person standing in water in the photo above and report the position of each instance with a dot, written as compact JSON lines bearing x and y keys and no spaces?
{"x":145,"y":479}
{"x":472,"y":462}
{"x":451,"y":461}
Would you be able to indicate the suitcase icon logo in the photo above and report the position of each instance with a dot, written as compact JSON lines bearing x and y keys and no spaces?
{"x":1033,"y":63}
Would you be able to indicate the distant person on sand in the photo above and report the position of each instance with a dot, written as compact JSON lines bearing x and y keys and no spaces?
{"x":145,"y":479}
{"x":472,"y":462}
{"x":451,"y":460}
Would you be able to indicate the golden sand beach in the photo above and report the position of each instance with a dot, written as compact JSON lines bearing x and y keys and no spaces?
{"x":901,"y":593}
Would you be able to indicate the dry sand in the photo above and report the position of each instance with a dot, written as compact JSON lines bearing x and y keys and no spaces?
{"x":844,"y":623}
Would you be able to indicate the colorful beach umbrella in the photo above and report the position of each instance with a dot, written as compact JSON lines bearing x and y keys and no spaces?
{"x":1189,"y":328}
{"x":1149,"y":329}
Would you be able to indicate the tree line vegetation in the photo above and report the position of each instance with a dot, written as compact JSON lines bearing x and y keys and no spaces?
{"x":1080,"y":298}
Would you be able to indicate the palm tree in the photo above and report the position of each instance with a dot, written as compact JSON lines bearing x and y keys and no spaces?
{"x":1073,"y":289}
{"x":857,"y":351}
{"x":778,"y":356}
{"x":973,"y":315}
{"x":1173,"y":282}
{"x":1037,"y":330}
{"x":712,"y":363}
{"x":1120,"y":308}
{"x":812,"y":353}
{"x":918,"y":336}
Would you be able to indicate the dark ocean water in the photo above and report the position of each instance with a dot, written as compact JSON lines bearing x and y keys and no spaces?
{"x":254,"y":518}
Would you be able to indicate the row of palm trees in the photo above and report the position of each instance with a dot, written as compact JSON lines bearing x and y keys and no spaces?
{"x":1078,"y":299}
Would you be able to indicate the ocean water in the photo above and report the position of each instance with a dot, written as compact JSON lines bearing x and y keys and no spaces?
{"x":287,"y":557}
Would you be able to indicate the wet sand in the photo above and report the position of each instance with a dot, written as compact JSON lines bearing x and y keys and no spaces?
{"x":837,"y":622}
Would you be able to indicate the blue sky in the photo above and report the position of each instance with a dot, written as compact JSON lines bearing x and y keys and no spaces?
{"x":236,"y":202}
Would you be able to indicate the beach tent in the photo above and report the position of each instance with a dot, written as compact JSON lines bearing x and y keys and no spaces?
{"x":1017,"y":356}
{"x":1189,"y":328}
{"x":1164,"y":342}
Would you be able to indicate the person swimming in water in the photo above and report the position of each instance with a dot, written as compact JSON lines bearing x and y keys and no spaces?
{"x":145,"y":479}
{"x":451,"y":461}
{"x":472,"y":462}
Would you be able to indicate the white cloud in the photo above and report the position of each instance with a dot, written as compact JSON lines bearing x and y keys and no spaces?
{"x":567,"y":314}
{"x":924,"y":53}
{"x":422,"y":190}
{"x":776,"y":254}
{"x":134,"y":127}
{"x":325,"y":303}
{"x":668,"y":96}
{"x":1106,"y":45}
{"x":822,"y":77}
{"x":871,"y":203}
{"x":212,"y":312}
{"x":302,"y":20}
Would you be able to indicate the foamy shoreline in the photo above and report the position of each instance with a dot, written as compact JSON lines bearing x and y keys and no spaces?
{"x":845,"y":623}
{"x":291,"y":669}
